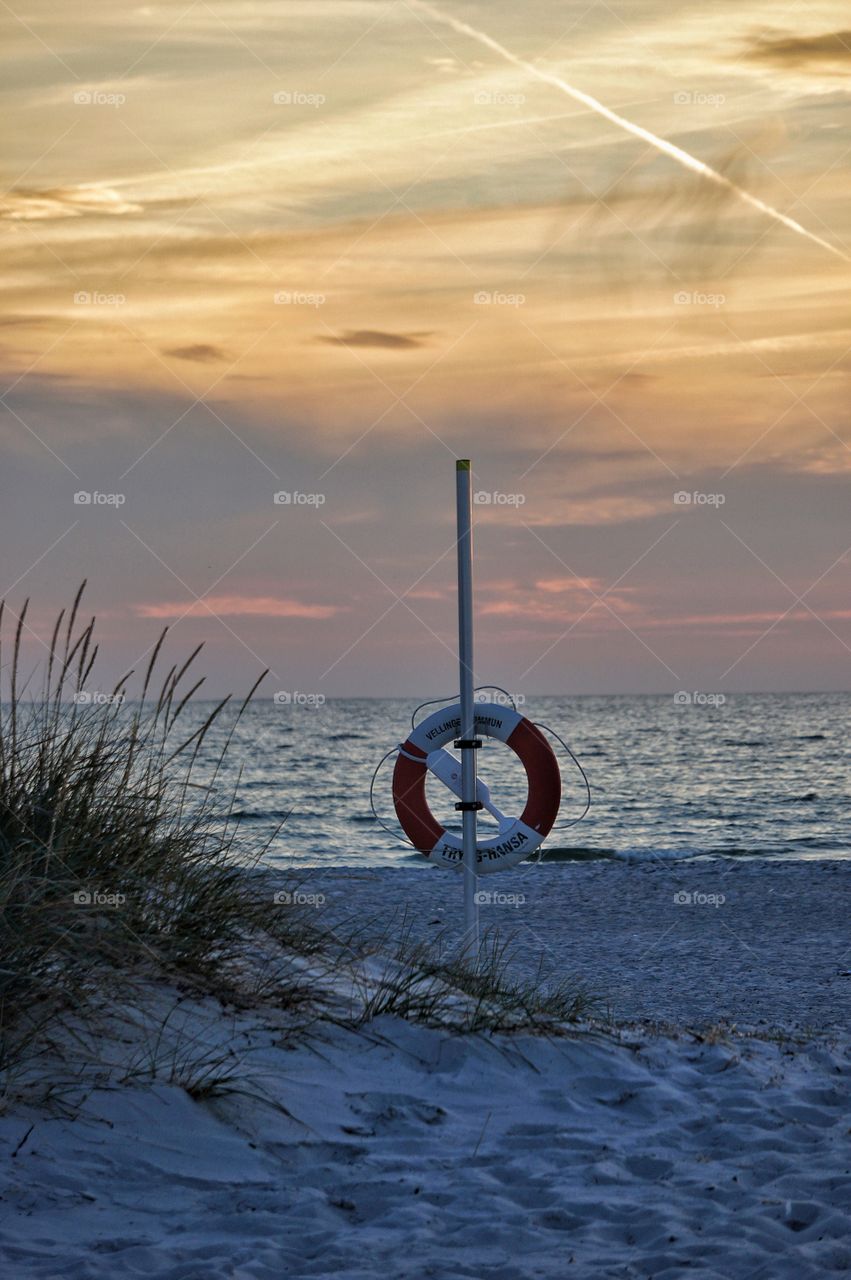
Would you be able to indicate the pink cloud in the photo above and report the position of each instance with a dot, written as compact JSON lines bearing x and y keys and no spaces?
{"x":427,"y":593}
{"x":543,"y":610}
{"x":244,"y":606}
{"x":749,"y":620}
{"x":559,"y":586}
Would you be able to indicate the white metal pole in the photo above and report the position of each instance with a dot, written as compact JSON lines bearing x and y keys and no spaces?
{"x":467,"y":737}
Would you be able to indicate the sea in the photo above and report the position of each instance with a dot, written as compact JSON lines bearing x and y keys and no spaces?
{"x":757,"y":775}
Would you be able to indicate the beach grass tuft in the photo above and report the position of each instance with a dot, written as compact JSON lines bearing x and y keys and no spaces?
{"x":436,"y":985}
{"x":115,"y":861}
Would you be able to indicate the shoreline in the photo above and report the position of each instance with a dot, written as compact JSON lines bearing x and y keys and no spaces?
{"x":404,"y":860}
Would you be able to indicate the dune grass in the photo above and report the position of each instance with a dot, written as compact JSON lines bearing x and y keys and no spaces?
{"x":114,"y":860}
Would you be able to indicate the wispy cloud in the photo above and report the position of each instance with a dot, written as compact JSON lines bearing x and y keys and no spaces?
{"x":25,"y":204}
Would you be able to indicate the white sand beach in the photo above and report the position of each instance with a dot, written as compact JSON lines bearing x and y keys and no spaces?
{"x":400,"y":1150}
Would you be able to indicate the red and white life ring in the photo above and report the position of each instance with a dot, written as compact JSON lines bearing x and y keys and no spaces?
{"x":526,"y":832}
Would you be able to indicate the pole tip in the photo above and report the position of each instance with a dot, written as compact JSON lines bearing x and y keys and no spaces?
{"x":463,"y":464}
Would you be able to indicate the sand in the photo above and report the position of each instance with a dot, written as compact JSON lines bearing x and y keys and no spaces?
{"x":753,"y":942}
{"x":398,"y":1150}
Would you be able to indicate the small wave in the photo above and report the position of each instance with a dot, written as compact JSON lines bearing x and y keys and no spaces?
{"x":577,"y":854}
{"x":260,"y":815}
{"x":362,"y":817}
{"x":744,"y":742}
{"x":814,"y":842}
{"x":811,"y":737}
{"x":655,"y":854}
{"x":346,"y":737}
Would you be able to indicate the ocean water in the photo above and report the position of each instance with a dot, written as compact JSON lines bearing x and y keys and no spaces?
{"x":762,"y":775}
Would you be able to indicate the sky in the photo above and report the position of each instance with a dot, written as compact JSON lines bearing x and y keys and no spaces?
{"x":271,"y":267}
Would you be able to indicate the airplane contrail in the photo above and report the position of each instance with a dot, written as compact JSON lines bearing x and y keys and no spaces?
{"x":661,"y":144}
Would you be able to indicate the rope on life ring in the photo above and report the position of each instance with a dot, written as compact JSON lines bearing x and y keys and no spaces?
{"x":515,"y":841}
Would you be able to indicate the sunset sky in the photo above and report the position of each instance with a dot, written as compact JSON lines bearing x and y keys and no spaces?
{"x":322,"y":249}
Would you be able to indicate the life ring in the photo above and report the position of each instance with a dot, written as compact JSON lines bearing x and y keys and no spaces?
{"x":525,"y":834}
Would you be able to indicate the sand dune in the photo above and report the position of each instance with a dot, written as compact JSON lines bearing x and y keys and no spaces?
{"x":404,"y":1151}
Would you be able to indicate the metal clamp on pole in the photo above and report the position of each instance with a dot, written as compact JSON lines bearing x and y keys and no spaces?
{"x":467,"y":741}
